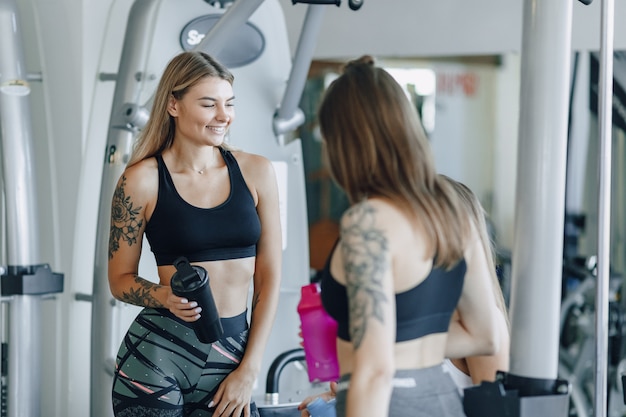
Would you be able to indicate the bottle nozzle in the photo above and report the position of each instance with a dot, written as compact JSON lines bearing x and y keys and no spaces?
{"x":185,"y":271}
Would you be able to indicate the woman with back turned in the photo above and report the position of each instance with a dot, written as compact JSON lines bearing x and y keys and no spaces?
{"x":407,"y":257}
{"x":469,"y":371}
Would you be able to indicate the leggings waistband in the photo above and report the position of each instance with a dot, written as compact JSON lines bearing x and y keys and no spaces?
{"x":232,"y":325}
{"x":395,"y":382}
{"x":404,"y":378}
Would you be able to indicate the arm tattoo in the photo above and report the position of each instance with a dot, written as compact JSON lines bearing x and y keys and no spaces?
{"x":142,"y":295}
{"x":126,"y":225}
{"x":364,"y":249}
{"x":125,"y":222}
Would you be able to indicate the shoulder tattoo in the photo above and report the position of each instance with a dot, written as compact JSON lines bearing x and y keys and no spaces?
{"x":364,"y":250}
{"x":125,"y":221}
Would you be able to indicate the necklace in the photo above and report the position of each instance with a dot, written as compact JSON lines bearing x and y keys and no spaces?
{"x":201,"y":170}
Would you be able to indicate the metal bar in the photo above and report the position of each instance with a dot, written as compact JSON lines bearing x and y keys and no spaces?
{"x":289,"y":115}
{"x":540,"y":189}
{"x":578,"y":138}
{"x":222,"y":32}
{"x":605,"y":116}
{"x":120,"y":137}
{"x":17,"y":145}
{"x":24,"y":355}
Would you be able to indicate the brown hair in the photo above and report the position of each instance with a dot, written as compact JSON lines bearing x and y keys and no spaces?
{"x":475,"y":209}
{"x":183,"y":72}
{"x":376,"y":146}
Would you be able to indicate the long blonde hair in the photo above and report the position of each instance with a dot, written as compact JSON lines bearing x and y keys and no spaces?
{"x":376,"y":146}
{"x":182,"y":72}
{"x":478,"y":215}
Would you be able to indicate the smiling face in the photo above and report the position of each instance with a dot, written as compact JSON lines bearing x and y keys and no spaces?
{"x":204,"y":113}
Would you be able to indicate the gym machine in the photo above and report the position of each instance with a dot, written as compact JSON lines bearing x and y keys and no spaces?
{"x":24,"y":281}
{"x":532,"y":388}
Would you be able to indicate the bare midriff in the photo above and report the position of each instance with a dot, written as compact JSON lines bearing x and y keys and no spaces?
{"x":229,"y":280}
{"x":420,"y":353}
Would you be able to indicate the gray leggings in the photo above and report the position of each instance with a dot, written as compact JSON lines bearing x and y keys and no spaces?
{"x":163,"y":370}
{"x":426,"y":392}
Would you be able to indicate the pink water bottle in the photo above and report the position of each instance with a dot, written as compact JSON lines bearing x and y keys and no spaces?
{"x":319,"y":334}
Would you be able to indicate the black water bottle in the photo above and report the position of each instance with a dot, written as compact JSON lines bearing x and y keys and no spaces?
{"x":192,"y":283}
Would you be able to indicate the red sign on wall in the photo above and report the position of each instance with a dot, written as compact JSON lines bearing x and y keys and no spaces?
{"x":461,"y":83}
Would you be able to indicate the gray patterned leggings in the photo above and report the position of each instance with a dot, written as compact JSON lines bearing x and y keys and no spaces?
{"x":164,"y":371}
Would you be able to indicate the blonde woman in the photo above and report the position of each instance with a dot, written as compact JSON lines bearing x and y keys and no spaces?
{"x":192,"y":196}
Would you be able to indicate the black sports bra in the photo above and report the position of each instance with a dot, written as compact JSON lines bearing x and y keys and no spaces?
{"x":424,"y":309}
{"x":228,"y":231}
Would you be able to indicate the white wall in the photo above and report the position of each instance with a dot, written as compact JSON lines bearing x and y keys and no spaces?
{"x":64,"y":40}
{"x":463,"y":138}
{"x":439,"y":28}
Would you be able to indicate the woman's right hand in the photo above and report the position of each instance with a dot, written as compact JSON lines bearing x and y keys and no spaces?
{"x":182,"y":308}
{"x":326,"y":396}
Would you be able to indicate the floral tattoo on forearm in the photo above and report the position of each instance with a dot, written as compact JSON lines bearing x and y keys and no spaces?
{"x":142,"y":295}
{"x":364,"y":249}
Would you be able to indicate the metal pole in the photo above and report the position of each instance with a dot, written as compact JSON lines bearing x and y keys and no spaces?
{"x":289,"y":116}
{"x":605,"y":116}
{"x":105,"y":334}
{"x":578,"y":138}
{"x":540,"y":193}
{"x":233,"y":19}
{"x":24,"y":373}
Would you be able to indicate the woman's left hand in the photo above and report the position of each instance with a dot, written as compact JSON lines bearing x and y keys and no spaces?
{"x":233,"y":396}
{"x":182,"y":308}
{"x":326,"y":396}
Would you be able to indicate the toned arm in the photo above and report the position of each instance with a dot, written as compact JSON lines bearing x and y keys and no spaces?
{"x":131,"y":199}
{"x":476,"y":331}
{"x":366,"y":256}
{"x":267,"y":275}
{"x":484,"y":368}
